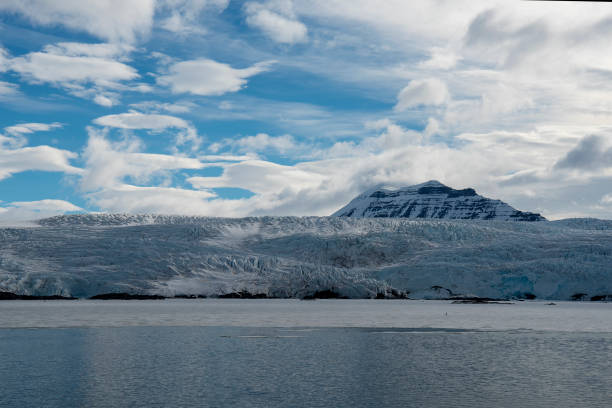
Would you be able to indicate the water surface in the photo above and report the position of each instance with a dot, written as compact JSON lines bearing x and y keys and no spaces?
{"x":268,"y":353}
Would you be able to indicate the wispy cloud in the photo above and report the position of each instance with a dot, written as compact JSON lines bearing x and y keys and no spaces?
{"x":277,"y":20}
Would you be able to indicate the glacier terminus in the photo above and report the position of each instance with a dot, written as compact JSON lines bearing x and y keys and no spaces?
{"x":423,"y":241}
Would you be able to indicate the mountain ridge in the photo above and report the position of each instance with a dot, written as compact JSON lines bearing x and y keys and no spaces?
{"x":431,"y":199}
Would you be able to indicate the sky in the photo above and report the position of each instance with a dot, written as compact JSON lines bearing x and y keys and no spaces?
{"x":280,"y":107}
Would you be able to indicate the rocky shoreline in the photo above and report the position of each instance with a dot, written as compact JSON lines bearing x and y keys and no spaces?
{"x":323,"y":294}
{"x":14,"y":296}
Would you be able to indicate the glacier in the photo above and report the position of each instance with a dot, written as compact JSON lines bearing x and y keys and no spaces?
{"x":85,"y":255}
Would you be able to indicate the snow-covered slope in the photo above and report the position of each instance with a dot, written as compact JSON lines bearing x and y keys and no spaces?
{"x":84,"y":255}
{"x":431,"y":200}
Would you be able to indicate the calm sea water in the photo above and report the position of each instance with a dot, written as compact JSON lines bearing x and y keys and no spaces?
{"x":273,"y":353}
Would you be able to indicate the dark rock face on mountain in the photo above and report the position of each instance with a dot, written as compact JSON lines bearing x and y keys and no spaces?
{"x":431,"y":200}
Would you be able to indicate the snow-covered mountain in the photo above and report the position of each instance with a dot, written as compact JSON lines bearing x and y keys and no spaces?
{"x":431,"y":200}
{"x":85,"y":255}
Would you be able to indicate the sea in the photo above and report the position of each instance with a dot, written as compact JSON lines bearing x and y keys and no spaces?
{"x":292,"y":353}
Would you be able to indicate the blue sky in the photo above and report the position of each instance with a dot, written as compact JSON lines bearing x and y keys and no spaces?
{"x":236,"y":108}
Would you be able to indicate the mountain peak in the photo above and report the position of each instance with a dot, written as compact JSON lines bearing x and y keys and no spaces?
{"x":431,"y":183}
{"x":431,"y":199}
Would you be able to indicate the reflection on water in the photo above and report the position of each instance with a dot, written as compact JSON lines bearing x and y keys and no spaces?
{"x":339,"y":367}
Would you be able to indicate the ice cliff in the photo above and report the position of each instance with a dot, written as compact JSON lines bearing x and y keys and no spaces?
{"x":84,"y":255}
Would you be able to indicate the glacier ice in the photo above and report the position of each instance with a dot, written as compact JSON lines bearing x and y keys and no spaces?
{"x":84,"y":255}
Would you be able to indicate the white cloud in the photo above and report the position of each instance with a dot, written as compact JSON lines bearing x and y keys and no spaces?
{"x":500,"y":53}
{"x":15,"y":158}
{"x":225,"y":157}
{"x":31,"y":210}
{"x":395,"y":136}
{"x":440,"y":58}
{"x":258,"y":143}
{"x":392,"y":136}
{"x":273,"y":183}
{"x":99,"y":50}
{"x":111,"y":20}
{"x":108,"y":164}
{"x":208,"y":77}
{"x":156,"y":107}
{"x":418,"y":92}
{"x":15,"y":135}
{"x":4,"y":57}
{"x":55,"y":68}
{"x":118,"y":176}
{"x":318,"y":187}
{"x":432,"y":128}
{"x":263,"y":141}
{"x":276,"y":20}
{"x":85,"y":70}
{"x":115,"y":171}
{"x":104,"y":100}
{"x":137,"y":120}
{"x":27,"y":128}
{"x":606,"y":199}
{"x":160,"y":200}
{"x":43,"y":158}
{"x":6,"y":88}
{"x":154,"y":122}
{"x":439,"y":20}
{"x":490,"y":162}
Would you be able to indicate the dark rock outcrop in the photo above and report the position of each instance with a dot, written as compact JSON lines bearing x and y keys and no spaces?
{"x":126,"y":296}
{"x":431,"y":200}
{"x":243,"y":294}
{"x":601,"y":298}
{"x":190,"y":296}
{"x":579,"y":296}
{"x":14,"y":296}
